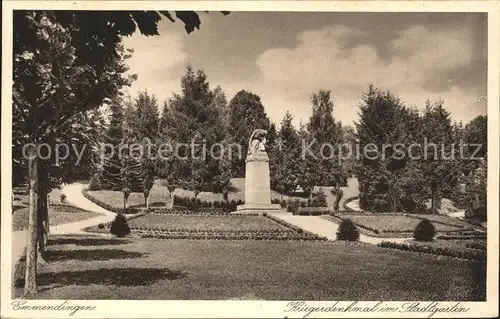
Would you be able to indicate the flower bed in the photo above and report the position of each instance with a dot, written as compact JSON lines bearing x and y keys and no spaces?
{"x":477,"y":255}
{"x":207,"y":222}
{"x":275,"y":237}
{"x":477,"y":245}
{"x":455,"y":237}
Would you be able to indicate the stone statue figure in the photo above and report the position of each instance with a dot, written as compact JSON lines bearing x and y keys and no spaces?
{"x":257,"y":142}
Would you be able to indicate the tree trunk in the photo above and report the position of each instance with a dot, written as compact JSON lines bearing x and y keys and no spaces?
{"x":146,"y":202}
{"x":433,"y":201}
{"x":43,"y":211}
{"x":125,"y":200}
{"x":170,"y":203}
{"x":30,"y":287}
{"x":42,"y":236}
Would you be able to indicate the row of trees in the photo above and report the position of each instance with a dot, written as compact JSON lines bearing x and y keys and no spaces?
{"x":405,"y":182}
{"x":199,"y":118}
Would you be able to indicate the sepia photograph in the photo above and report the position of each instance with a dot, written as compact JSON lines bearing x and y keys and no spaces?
{"x":182,"y":153}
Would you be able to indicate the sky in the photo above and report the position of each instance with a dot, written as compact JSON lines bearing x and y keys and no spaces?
{"x":284,"y":57}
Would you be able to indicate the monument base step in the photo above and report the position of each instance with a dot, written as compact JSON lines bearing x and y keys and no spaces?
{"x":256,"y":209}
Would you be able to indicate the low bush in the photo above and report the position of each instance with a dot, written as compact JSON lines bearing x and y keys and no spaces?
{"x":449,"y":252}
{"x":293,"y":206}
{"x":313,"y":211}
{"x":63,"y":198}
{"x":119,"y":226}
{"x":424,"y":231}
{"x":319,"y":199}
{"x":347,"y":231}
{"x":100,"y":226}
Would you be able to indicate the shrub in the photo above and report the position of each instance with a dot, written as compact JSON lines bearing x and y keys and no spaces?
{"x":265,"y":214}
{"x":293,"y":206}
{"x":425,"y":231}
{"x":63,"y":198}
{"x":319,"y":199}
{"x":100,"y":226}
{"x":119,"y":226}
{"x":347,"y":231}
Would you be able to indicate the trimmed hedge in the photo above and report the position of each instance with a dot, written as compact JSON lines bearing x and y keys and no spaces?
{"x":196,"y":203}
{"x":166,"y":211}
{"x":449,"y":252}
{"x":313,"y":211}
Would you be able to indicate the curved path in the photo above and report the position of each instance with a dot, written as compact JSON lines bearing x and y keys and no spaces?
{"x":328,"y":229}
{"x":74,"y":196}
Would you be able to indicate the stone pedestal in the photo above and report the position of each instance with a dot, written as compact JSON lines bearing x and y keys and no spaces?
{"x":257,"y":186}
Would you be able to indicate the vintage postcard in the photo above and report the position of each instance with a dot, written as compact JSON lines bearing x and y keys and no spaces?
{"x":250,"y":159}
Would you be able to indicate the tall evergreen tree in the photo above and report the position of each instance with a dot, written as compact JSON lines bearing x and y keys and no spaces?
{"x":144,"y":125}
{"x":246,"y":113}
{"x":195,"y":123}
{"x":287,"y":159}
{"x":380,"y":130}
{"x":440,"y":168}
{"x":326,"y":135}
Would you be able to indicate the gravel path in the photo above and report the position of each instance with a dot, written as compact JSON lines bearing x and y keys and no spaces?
{"x":74,"y":196}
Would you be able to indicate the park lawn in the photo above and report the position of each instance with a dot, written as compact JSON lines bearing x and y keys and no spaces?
{"x":444,"y":219}
{"x":98,"y":268}
{"x":21,"y":197}
{"x":158,"y":195}
{"x":220,"y":223}
{"x":393,"y":223}
{"x":58,"y":215}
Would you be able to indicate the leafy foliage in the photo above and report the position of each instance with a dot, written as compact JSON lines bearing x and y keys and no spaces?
{"x":246,"y":113}
{"x":347,"y":231}
{"x":425,"y":231}
{"x":119,"y":226}
{"x":319,"y":199}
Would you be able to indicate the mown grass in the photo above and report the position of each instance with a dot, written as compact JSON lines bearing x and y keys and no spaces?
{"x":393,"y":223}
{"x":222,"y":223}
{"x":58,"y":215}
{"x":199,"y":269}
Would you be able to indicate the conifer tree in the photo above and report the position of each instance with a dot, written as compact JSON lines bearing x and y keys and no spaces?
{"x":246,"y":113}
